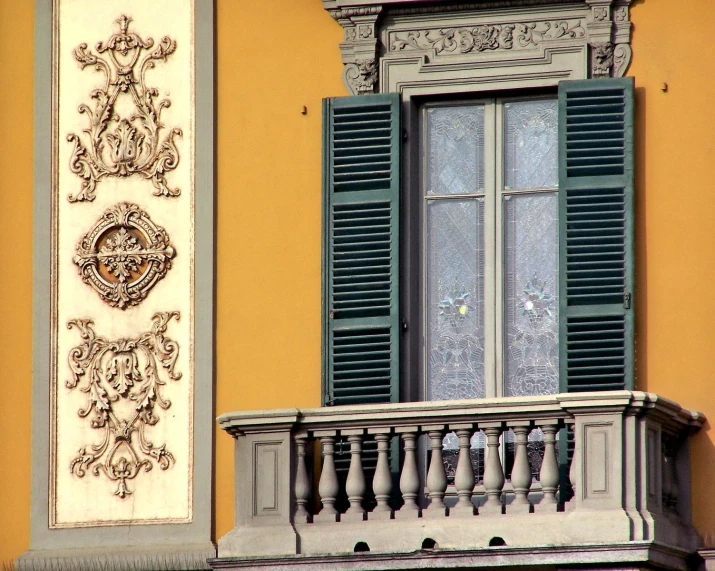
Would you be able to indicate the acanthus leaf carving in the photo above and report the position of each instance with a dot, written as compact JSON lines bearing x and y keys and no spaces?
{"x":481,"y":38}
{"x":124,"y":255}
{"x":533,"y":33}
{"x":127,"y":370}
{"x":123,"y":146}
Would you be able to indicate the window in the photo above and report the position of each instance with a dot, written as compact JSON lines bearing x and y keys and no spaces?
{"x":490,"y":248}
{"x":515,"y":146}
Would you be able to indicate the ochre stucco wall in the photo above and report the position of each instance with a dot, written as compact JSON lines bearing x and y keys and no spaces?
{"x":274,"y":57}
{"x":16,"y":139}
{"x":676,"y":220}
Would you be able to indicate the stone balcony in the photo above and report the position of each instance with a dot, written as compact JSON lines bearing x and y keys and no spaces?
{"x":628,"y":500}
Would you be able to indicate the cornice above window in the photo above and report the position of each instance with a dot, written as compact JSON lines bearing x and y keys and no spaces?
{"x":453,"y":41}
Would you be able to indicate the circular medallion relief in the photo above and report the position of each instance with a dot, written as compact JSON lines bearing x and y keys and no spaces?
{"x":124,"y":255}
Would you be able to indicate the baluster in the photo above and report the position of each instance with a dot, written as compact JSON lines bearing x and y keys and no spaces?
{"x":302,"y":483}
{"x":464,"y":475}
{"x":382,"y":480}
{"x":521,"y":471}
{"x":328,"y":486}
{"x":549,"y":474}
{"x":575,"y":464}
{"x":670,"y":478}
{"x":410,"y":478}
{"x":355,"y":483}
{"x":436,"y":476}
{"x":493,"y":471}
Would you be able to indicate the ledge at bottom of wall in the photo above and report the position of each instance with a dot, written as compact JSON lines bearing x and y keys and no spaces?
{"x":159,"y":558}
{"x":630,"y":556}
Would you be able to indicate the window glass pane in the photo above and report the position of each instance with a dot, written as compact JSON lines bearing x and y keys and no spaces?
{"x":455,"y":150}
{"x":531,"y":294}
{"x":531,"y":144}
{"x":455,"y":299}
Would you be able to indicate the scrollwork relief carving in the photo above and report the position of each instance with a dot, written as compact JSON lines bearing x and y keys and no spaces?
{"x":487,"y":37}
{"x":123,"y":384}
{"x":534,"y":33}
{"x":123,"y":146}
{"x":458,"y":40}
{"x":361,"y":76}
{"x":621,"y":59}
{"x":124,"y":255}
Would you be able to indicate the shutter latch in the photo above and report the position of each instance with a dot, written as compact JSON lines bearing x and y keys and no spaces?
{"x":627,"y":301}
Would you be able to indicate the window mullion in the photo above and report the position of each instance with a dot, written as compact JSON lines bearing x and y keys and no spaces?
{"x":491,"y":310}
{"x":497,"y":246}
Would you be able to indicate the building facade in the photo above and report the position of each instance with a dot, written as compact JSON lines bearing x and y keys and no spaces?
{"x":440,"y":269}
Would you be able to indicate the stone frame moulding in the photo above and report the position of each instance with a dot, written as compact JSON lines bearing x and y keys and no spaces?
{"x":154,"y":540}
{"x":392,"y":44}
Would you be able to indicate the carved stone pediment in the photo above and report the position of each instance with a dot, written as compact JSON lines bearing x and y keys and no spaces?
{"x":459,"y":38}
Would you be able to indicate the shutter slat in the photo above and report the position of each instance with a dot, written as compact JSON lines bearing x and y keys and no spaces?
{"x":596,"y":234}
{"x":361,"y":228}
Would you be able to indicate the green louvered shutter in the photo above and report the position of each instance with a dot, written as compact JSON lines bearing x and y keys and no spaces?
{"x":361,"y":209}
{"x":596,"y":234}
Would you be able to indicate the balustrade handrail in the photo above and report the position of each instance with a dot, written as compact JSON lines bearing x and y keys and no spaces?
{"x":625,"y":456}
{"x":563,"y":406}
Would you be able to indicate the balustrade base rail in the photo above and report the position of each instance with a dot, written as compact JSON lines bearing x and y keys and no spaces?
{"x":631,"y":556}
{"x":630,"y":474}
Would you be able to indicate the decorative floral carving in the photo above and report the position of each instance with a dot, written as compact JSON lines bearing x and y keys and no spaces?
{"x":487,"y":37}
{"x":124,"y":255}
{"x":456,"y":40}
{"x":122,"y":372}
{"x":122,"y":146}
{"x":620,"y":14}
{"x":600,"y":13}
{"x":601,"y":59}
{"x":361,"y":76}
{"x":534,"y":33}
{"x":365,"y":32}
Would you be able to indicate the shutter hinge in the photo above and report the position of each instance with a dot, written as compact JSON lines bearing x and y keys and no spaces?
{"x":329,"y":401}
{"x":403,"y":324}
{"x":331,"y":314}
{"x":627,"y":301}
{"x":404,"y":135}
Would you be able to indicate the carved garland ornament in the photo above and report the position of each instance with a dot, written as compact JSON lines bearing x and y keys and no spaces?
{"x":122,"y":372}
{"x":122,"y":146}
{"x":124,"y":255}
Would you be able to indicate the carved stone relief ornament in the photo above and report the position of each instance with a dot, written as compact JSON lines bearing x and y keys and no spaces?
{"x":609,"y":33}
{"x":123,"y":385}
{"x":359,"y":50}
{"x":601,"y":59}
{"x":442,"y":35}
{"x":446,"y":41}
{"x":136,"y":143}
{"x":124,"y":255}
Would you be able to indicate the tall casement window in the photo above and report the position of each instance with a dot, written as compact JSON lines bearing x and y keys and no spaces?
{"x":523,"y":283}
{"x":490,"y":248}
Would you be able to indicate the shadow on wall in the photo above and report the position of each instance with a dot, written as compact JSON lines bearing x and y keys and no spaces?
{"x":641,"y":269}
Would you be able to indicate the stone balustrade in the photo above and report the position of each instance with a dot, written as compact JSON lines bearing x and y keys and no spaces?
{"x":336,"y":480}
